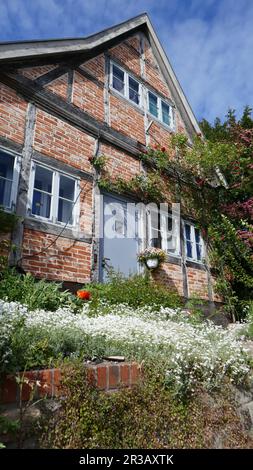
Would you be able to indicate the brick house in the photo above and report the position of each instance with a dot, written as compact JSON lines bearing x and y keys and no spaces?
{"x":62,"y":102}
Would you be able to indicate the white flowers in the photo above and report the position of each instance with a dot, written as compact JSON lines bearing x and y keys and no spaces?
{"x":190,"y":353}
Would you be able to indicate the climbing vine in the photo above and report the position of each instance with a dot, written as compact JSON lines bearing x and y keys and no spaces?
{"x":212,"y":179}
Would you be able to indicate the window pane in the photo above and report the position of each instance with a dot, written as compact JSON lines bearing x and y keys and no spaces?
{"x":6,"y":177}
{"x":134,"y":90}
{"x":165,"y":113}
{"x":198,"y":250}
{"x":153,"y":109}
{"x":5,"y":192}
{"x":187,"y":232}
{"x":65,"y":209}
{"x":197,"y":235}
{"x":189,"y":249}
{"x":118,"y":79}
{"x":43,"y":179}
{"x":41,"y":204}
{"x":67,"y":188}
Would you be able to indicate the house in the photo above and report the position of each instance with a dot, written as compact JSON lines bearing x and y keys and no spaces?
{"x":63,"y":104}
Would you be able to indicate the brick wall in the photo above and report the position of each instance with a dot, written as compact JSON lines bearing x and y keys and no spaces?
{"x":126,"y":119}
{"x":59,"y":86}
{"x":106,"y":376}
{"x":62,"y":141}
{"x":96,"y":67}
{"x":88,"y":96}
{"x":120,"y":163}
{"x":12,"y":115}
{"x":197,"y":283}
{"x":66,"y":260}
{"x":128,"y":52}
{"x":171,"y":276}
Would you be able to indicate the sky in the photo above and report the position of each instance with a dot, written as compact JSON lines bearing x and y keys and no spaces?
{"x":208,"y":42}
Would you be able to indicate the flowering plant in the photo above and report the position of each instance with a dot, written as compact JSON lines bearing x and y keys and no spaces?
{"x":83,"y":294}
{"x":152,"y":253}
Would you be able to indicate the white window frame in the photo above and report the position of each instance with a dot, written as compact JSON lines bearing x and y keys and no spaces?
{"x":163,"y":230}
{"x":194,"y":243}
{"x":159,"y":118}
{"x":54,"y":196}
{"x":126,"y":85}
{"x":164,"y":234}
{"x":15,"y":180}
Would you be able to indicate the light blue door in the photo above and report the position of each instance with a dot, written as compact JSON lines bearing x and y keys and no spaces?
{"x":120,"y":237}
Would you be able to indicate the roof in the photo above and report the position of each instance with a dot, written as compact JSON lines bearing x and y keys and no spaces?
{"x":27,"y":51}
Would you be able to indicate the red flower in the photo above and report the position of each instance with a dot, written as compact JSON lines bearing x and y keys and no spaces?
{"x":163,"y":149}
{"x":83,"y":294}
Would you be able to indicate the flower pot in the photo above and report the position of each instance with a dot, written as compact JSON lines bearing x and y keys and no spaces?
{"x":152,"y":263}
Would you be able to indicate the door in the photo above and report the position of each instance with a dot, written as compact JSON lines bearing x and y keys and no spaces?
{"x":120,"y":237}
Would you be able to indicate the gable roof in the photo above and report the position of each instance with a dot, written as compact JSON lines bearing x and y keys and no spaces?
{"x":23,"y":52}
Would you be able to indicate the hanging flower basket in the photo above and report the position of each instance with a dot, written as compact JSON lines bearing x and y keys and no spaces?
{"x":152,"y":257}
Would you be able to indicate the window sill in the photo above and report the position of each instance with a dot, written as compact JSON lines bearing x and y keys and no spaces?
{"x":56,"y":229}
{"x":195,"y":264}
{"x":157,"y":121}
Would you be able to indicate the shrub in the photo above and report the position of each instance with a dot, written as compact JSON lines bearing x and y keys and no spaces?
{"x":146,"y":416}
{"x":134,"y":291}
{"x":35,"y":294}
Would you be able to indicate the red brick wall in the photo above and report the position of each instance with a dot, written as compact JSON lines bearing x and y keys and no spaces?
{"x":67,"y":260}
{"x":96,"y":67}
{"x":120,"y":163}
{"x":12,"y":115}
{"x":126,"y":119}
{"x":40,"y":383}
{"x":197,"y":283}
{"x":59,"y":86}
{"x":170,"y":275}
{"x":130,"y":56}
{"x":60,"y":140}
{"x":159,"y":135}
{"x":88,"y":96}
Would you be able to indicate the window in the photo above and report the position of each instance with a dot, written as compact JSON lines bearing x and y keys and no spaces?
{"x":153,"y":104}
{"x":163,"y":233}
{"x":118,"y":79}
{"x":160,"y":109}
{"x":124,"y":84}
{"x":194,"y":246}
{"x":53,"y":195}
{"x":9,"y":173}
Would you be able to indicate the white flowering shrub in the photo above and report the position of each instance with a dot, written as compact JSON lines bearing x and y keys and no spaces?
{"x":190,"y":354}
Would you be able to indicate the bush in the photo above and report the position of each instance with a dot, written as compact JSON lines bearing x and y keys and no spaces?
{"x":134,"y":291}
{"x":35,"y":294}
{"x":144,"y":417}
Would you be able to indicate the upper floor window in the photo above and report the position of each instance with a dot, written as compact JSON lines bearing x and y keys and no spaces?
{"x":9,"y":173}
{"x":126,"y":85}
{"x":53,"y":195}
{"x":194,"y":245}
{"x":160,"y":109}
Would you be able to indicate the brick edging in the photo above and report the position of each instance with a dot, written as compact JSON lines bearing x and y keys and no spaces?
{"x":47,"y":382}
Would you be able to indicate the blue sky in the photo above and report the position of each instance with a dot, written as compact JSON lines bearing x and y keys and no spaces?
{"x":208,"y":42}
